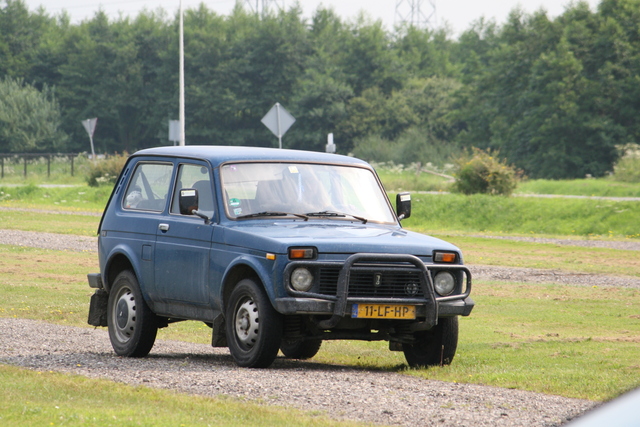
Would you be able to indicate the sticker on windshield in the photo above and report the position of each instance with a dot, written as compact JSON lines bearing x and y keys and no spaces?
{"x":293,"y":169}
{"x":237,"y":211}
{"x":234,"y":202}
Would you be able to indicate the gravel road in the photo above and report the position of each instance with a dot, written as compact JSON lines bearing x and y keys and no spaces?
{"x":336,"y":391}
{"x":340,"y":392}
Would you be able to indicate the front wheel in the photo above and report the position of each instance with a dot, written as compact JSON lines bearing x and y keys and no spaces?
{"x":132,"y":324}
{"x":436,"y":346}
{"x":254,"y":327}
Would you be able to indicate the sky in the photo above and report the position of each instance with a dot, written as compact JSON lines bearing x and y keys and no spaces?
{"x":458,"y":15}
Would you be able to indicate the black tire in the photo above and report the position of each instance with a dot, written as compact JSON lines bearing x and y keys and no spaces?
{"x":300,"y":349}
{"x":434,"y":347}
{"x":254,"y":327}
{"x":132,"y":324}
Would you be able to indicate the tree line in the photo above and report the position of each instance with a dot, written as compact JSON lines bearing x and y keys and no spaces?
{"x":555,"y":97}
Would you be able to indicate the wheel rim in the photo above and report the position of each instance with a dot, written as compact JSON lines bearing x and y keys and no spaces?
{"x":247,"y":319}
{"x":124,"y":315}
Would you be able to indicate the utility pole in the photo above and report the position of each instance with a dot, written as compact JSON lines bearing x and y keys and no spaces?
{"x":420,"y":14}
{"x":182,"y":133}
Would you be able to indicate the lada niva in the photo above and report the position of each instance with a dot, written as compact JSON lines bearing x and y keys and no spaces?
{"x":275,"y":250}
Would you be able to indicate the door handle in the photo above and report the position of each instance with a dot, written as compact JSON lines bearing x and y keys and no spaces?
{"x":163,"y":227}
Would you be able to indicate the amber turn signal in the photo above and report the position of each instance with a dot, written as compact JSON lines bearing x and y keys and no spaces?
{"x":302,"y":253}
{"x":445,"y":257}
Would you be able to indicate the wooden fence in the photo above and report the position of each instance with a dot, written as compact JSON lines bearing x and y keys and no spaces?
{"x":25,"y":159}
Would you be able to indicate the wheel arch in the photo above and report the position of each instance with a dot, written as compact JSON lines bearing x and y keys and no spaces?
{"x":117,"y":263}
{"x":235,"y":274}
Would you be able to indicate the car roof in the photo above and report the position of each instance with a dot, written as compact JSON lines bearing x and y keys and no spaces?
{"x":217,"y":155}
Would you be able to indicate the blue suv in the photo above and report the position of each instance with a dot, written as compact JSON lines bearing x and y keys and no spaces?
{"x":274,"y":250}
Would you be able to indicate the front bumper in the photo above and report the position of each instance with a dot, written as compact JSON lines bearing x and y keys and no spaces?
{"x":429,"y":306}
{"x":292,"y":305}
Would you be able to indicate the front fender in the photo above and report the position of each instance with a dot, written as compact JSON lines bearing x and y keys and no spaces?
{"x":241,"y":267}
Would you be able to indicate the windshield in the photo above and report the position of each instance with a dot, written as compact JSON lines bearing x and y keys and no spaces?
{"x":315,"y":190}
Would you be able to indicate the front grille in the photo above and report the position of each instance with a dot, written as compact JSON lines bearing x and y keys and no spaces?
{"x":371,"y":282}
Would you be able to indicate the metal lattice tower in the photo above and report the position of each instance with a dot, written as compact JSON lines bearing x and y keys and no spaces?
{"x":416,"y":13}
{"x":262,"y":7}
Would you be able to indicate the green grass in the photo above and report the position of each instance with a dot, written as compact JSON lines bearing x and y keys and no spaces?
{"x":431,"y":213}
{"x":47,"y":222}
{"x":398,"y":179}
{"x":509,"y":253}
{"x":75,"y":198}
{"x":603,"y":187}
{"x":571,"y":341}
{"x":531,"y":216}
{"x":35,"y":398}
{"x":576,"y":342}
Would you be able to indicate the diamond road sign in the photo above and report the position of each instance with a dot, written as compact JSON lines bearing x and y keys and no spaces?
{"x":278,"y":120}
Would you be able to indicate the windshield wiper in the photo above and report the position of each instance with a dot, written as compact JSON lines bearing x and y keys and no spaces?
{"x":271,"y":213}
{"x":332,"y":214}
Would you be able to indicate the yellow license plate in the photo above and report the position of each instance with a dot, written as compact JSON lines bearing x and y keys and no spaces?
{"x":383,"y":311}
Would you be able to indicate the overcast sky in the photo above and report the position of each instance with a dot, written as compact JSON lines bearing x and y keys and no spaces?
{"x":458,"y":14}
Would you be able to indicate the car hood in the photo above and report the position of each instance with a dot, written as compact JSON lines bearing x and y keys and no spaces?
{"x":332,"y":237}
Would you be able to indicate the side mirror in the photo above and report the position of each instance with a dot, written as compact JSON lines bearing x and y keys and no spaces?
{"x":188,"y":201}
{"x":403,"y":206}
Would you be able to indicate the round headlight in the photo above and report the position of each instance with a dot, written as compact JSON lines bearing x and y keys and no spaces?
{"x":444,"y":282}
{"x":301,"y":279}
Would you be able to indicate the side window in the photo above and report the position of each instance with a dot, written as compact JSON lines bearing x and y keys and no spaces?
{"x":194,"y":176}
{"x":149,"y":187}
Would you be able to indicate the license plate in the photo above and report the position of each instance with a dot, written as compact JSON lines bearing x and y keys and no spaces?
{"x":383,"y":311}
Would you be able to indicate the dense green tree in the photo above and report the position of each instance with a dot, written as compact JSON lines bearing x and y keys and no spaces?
{"x":21,"y":33}
{"x":114,"y":71}
{"x":426,"y":53}
{"x":555,"y":96}
{"x":29,"y":119}
{"x":322,"y":92}
{"x":253,"y":64}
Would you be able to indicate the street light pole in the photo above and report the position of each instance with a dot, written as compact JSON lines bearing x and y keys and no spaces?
{"x":182,"y":133}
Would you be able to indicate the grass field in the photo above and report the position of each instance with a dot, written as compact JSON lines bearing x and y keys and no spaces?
{"x":34,"y":398}
{"x":584,"y":218}
{"x":566,"y":340}
{"x":580,"y":218}
{"x":603,"y":187}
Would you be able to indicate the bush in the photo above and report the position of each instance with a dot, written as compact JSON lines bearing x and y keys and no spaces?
{"x":484,"y":173}
{"x":627,"y":169}
{"x":106,"y":171}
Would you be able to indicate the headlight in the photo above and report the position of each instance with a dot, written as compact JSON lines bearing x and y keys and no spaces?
{"x":444,"y":282}
{"x":301,"y":279}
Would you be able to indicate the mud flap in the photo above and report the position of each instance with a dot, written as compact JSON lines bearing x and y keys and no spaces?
{"x":98,"y":308}
{"x":219,"y":336}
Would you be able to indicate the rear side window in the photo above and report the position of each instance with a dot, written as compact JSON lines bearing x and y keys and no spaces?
{"x":149,"y":187}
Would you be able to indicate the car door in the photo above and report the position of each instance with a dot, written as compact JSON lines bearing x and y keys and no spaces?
{"x":183,"y":246}
{"x":133,"y":223}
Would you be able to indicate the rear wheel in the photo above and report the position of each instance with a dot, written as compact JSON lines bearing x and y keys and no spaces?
{"x":132,"y":324}
{"x":435,"y":346}
{"x":254,"y":327}
{"x":300,"y":349}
